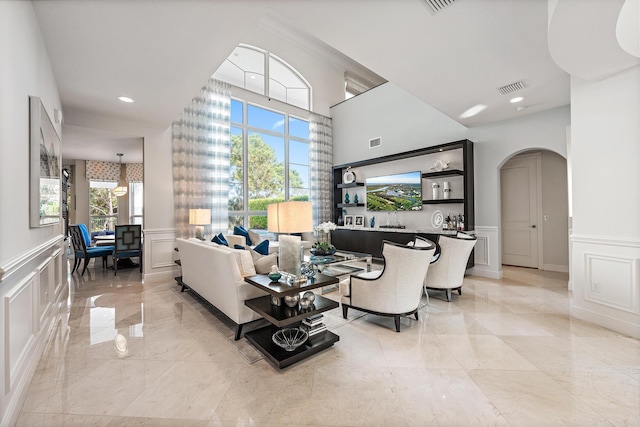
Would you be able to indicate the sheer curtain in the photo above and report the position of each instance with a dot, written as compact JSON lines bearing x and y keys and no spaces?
{"x":201,"y":151}
{"x":321,"y":161}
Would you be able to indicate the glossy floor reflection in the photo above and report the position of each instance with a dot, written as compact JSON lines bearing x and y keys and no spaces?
{"x":506,"y":352}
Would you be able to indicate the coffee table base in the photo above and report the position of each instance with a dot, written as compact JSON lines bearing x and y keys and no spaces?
{"x":261,"y":339}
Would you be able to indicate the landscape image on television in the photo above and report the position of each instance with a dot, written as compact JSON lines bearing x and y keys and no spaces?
{"x":399,"y":192}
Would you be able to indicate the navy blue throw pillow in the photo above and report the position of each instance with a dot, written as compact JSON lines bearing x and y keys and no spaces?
{"x":240,"y":231}
{"x":238,"y":247}
{"x":219,"y":239}
{"x":262,"y":248}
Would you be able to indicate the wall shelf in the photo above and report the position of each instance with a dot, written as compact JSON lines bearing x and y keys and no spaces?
{"x":351,"y":185}
{"x":349,"y":205}
{"x":442,"y":201}
{"x":442,"y":174}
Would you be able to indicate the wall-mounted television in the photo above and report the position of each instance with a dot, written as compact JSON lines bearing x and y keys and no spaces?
{"x":398,"y":192}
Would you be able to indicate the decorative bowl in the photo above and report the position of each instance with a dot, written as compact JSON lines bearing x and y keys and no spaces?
{"x":275,"y":276}
{"x":319,"y":252}
{"x":290,"y":338}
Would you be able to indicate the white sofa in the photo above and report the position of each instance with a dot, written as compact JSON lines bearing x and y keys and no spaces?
{"x":213,"y":273}
{"x":234,"y":239}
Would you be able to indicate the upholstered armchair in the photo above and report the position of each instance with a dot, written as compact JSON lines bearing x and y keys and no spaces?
{"x":448,"y":272}
{"x":81,"y":241}
{"x":394,"y":291}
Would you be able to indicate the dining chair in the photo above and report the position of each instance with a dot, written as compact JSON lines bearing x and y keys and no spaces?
{"x":128,"y":244}
{"x":82,"y":249}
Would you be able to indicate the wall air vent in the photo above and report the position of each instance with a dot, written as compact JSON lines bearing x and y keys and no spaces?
{"x":512,"y":87}
{"x":438,"y":5}
{"x":375,"y":142}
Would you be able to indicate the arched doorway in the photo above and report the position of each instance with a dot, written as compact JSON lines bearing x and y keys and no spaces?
{"x":534,"y":211}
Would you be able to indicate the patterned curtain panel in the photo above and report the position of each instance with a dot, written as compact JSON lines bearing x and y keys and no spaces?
{"x":135,"y":172}
{"x":103,"y":171}
{"x":201,"y":145}
{"x":321,"y":161}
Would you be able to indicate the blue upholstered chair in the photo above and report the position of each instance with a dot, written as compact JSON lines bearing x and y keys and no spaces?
{"x":82,"y":248}
{"x":128,"y":244}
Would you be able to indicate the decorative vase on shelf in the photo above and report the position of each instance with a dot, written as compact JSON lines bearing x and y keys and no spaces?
{"x":346,"y":198}
{"x":372,"y":222}
{"x":355,"y":199}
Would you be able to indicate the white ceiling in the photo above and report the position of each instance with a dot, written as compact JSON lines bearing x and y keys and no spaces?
{"x":161,"y":52}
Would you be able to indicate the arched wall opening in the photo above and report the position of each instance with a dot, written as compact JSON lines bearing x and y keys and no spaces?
{"x":534,"y":205}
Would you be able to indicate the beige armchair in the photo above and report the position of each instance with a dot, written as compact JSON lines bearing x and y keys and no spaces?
{"x":394,"y":291}
{"x":448,"y":272}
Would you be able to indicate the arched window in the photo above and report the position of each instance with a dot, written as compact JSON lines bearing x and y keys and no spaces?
{"x":262,"y":72}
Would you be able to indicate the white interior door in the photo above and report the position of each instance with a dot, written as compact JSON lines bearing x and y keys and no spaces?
{"x":519,"y":194}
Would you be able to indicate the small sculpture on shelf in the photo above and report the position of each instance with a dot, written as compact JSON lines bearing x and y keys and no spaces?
{"x":346,"y":198}
{"x":355,"y":199}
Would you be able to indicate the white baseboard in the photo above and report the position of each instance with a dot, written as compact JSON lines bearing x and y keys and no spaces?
{"x":161,"y":276}
{"x":485,"y":272}
{"x":558,"y":268}
{"x":625,"y":328}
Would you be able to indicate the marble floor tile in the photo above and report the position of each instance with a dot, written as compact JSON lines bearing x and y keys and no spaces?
{"x":504,"y":353}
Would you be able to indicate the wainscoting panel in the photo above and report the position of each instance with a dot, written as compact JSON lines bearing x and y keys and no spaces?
{"x":19,"y":327}
{"x":45,"y":280}
{"x":487,"y":256}
{"x":32,"y":291}
{"x":606,"y":282}
{"x":612,"y":281}
{"x":58,"y":275}
{"x":159,"y":254}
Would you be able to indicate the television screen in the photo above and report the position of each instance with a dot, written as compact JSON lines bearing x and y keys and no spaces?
{"x":399,"y":192}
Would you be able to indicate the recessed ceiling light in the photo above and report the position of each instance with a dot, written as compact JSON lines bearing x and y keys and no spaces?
{"x":521,"y":108}
{"x":516,"y":99}
{"x":473,"y":111}
{"x":126,"y":99}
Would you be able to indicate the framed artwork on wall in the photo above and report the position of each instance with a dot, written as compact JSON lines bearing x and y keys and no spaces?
{"x":348,"y":220}
{"x":359,"y":220}
{"x":44,"y":167}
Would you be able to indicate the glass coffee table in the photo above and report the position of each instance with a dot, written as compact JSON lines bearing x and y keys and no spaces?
{"x":340,"y":263}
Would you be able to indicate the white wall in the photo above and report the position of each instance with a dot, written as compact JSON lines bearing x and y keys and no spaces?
{"x":32,"y":260}
{"x":555,"y":208}
{"x":406,"y":123}
{"x":402,"y":121}
{"x":605,"y":243}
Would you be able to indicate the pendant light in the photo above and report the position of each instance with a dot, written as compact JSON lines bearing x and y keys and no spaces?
{"x":121,"y":189}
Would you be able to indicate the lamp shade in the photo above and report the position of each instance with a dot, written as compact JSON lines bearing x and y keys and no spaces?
{"x":120,"y":191}
{"x":199,"y":216}
{"x":289,"y":217}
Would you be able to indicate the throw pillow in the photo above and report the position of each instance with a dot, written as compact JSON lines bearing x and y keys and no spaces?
{"x":245,"y":262}
{"x":262,"y":248}
{"x":219,"y":239}
{"x":255,"y":237}
{"x":238,"y":247}
{"x":263,"y":265}
{"x":240,"y":231}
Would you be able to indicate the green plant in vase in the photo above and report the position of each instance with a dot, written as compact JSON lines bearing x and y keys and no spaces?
{"x":323,"y":248}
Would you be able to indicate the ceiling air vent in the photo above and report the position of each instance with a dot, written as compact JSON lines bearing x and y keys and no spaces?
{"x":513,"y":87}
{"x":438,"y":5}
{"x":375,"y":142}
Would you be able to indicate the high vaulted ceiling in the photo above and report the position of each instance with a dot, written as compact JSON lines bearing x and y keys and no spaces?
{"x":162,"y":52}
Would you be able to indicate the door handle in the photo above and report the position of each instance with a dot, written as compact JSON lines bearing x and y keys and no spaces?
{"x":533,"y":226}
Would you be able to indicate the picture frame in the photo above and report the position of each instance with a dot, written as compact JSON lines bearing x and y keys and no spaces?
{"x":45,"y":165}
{"x":359,"y":221}
{"x":348,"y":220}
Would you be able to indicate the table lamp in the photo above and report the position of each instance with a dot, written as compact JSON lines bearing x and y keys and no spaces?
{"x":200,"y":218}
{"x":290,"y":217}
